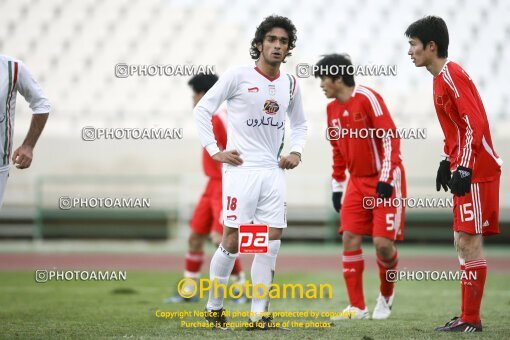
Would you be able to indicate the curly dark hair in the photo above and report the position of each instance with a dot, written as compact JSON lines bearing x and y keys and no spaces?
{"x":268,"y":24}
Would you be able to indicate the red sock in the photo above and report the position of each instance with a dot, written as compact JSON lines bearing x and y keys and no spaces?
{"x":193,"y":264}
{"x":384,"y":266}
{"x":354,"y":264}
{"x":462,"y":291}
{"x":237,"y":267}
{"x":474,"y":281}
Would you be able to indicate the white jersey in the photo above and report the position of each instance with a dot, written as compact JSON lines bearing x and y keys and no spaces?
{"x":256,"y":106}
{"x":15,"y":77}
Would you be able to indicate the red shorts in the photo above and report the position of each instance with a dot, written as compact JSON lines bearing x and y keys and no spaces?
{"x":207,"y":214}
{"x":478,"y":211}
{"x":359,"y":216}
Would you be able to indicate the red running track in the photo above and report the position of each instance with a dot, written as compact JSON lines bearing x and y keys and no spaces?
{"x":166,"y":262}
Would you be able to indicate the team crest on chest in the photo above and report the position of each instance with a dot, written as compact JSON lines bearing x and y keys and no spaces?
{"x":357,"y":116}
{"x":271,"y":107}
{"x":272,"y":90}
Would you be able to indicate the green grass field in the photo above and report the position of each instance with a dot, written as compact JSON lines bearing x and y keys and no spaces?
{"x":78,"y":309}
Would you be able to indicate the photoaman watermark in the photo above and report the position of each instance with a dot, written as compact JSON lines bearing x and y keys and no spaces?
{"x":188,"y":288}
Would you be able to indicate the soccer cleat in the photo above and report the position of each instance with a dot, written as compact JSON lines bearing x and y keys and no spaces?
{"x":352,"y":313}
{"x":450,"y":322}
{"x":458,"y":325}
{"x":264,"y":324}
{"x":216,"y":318}
{"x":177,"y":298}
{"x":382,"y":309}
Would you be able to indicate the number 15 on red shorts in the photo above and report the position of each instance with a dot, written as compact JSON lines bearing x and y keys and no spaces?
{"x":253,"y":238}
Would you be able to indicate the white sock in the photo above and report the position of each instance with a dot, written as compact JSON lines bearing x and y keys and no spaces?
{"x":262,"y":272}
{"x":222,"y":264}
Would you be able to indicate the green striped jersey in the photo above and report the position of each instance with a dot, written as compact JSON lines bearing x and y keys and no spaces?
{"x":15,"y":77}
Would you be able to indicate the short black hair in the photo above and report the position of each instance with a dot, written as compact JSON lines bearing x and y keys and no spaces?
{"x":335,"y":66}
{"x":267,"y":25}
{"x":431,"y":28}
{"x":202,"y":82}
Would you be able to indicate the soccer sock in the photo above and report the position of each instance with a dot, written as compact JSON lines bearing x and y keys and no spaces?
{"x":221,"y":267}
{"x":262,"y":272}
{"x":384,"y":266}
{"x":462,"y":287}
{"x":473,"y":282}
{"x":353,"y":265}
{"x":193,"y":264}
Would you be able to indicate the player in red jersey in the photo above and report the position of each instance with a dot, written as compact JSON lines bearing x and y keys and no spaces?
{"x":206,"y":219}
{"x":470,"y":167}
{"x":376,"y":171}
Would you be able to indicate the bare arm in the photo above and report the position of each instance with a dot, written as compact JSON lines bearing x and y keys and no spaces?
{"x":22,"y":156}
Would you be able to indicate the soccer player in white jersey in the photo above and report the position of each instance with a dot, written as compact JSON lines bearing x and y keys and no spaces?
{"x":258,"y":98}
{"x":15,"y":77}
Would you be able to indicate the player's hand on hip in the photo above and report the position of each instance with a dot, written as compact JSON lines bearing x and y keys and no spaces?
{"x":443,"y":175}
{"x":337,"y":200}
{"x":289,"y":162}
{"x":384,"y":190}
{"x":460,"y":184}
{"x":22,"y":157}
{"x":232,"y":157}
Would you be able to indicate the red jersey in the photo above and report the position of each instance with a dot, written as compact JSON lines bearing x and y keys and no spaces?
{"x":368,"y":156}
{"x":464,"y":122}
{"x":212,"y":169}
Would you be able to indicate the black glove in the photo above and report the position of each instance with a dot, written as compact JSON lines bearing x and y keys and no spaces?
{"x":384,"y":190}
{"x":443,"y":175}
{"x":460,"y":184}
{"x":337,"y":201}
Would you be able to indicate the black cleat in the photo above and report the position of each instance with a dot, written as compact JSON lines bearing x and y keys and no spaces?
{"x":449,"y":323}
{"x":264,"y":324}
{"x":458,"y":325}
{"x":217,"y":319}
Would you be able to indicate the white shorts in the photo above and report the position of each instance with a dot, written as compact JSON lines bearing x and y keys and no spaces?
{"x":254,"y":196}
{"x":3,"y":183}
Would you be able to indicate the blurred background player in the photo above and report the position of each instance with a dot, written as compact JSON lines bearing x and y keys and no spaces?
{"x":258,"y":98}
{"x":375,"y":169}
{"x":470,"y":167}
{"x":207,"y":220}
{"x":15,"y":77}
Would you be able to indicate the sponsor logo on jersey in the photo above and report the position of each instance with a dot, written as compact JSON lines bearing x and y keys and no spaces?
{"x":268,"y":121}
{"x":253,"y":89}
{"x":486,"y":223}
{"x":271,"y":107}
{"x":439,"y":100}
{"x":231,"y":217}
